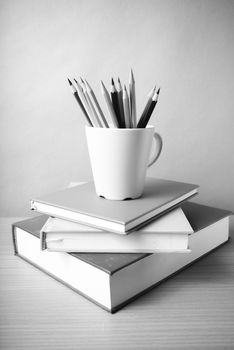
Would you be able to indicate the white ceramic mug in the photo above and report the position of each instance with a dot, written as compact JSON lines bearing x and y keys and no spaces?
{"x":119,"y":159}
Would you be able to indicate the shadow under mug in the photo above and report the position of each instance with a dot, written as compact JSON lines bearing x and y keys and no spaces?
{"x":119,"y":159}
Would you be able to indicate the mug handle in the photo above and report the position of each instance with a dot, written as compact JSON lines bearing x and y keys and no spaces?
{"x":158,"y":145}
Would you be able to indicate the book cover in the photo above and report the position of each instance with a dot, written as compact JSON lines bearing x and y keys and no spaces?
{"x":81,"y":204}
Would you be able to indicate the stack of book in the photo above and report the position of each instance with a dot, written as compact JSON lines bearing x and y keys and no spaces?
{"x":113,"y":251}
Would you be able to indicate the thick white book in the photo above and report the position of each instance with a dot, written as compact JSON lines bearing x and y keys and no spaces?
{"x":168,"y":233}
{"x":113,"y":280}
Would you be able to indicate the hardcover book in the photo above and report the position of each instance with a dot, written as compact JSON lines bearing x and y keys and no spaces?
{"x":168,"y":233}
{"x":113,"y":280}
{"x":81,"y":204}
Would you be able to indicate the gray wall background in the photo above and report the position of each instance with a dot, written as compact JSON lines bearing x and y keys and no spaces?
{"x":187,"y":47}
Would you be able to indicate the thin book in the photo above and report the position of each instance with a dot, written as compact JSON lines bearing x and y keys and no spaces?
{"x":81,"y":204}
{"x":169,"y":233}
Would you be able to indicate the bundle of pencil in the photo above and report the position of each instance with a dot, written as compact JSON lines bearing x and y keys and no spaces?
{"x":121,"y":104}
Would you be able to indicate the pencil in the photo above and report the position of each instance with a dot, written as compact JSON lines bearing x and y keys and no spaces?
{"x":115,"y":103}
{"x":120,"y":101}
{"x":82,"y":85}
{"x":132,"y":96}
{"x":109,"y":105}
{"x":126,"y":108}
{"x":92,"y":95}
{"x":75,"y":94}
{"x":92,"y":108}
{"x":150,"y":95}
{"x":84,"y":101}
{"x":144,"y":121}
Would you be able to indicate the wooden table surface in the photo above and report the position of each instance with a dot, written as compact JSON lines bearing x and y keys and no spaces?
{"x":194,"y":309}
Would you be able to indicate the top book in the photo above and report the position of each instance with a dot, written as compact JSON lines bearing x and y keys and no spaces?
{"x":81,"y":204}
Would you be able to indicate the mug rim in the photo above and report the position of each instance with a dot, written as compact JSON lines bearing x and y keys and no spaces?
{"x":119,"y":129}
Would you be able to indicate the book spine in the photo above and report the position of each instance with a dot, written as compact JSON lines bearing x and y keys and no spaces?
{"x":14,"y":240}
{"x":43,"y":240}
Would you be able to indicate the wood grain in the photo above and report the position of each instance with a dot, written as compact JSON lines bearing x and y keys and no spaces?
{"x":194,"y":309}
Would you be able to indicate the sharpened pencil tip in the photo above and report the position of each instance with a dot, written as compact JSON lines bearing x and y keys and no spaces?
{"x":70,"y":83}
{"x":88,"y":86}
{"x":112,"y":81}
{"x":131,"y":77}
{"x":75,"y":81}
{"x":158,"y":91}
{"x":102,"y":86}
{"x":119,"y":81}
